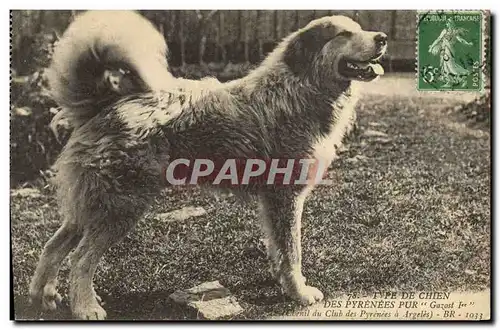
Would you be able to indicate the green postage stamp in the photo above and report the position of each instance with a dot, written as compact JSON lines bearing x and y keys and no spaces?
{"x":450,"y":51}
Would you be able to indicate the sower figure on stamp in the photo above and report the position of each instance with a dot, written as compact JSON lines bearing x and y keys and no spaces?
{"x":452,"y":73}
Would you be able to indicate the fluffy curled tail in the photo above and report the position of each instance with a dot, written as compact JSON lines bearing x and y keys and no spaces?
{"x":102,"y":56}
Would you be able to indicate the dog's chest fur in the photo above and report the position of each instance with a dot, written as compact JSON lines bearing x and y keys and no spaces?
{"x":325,"y":147}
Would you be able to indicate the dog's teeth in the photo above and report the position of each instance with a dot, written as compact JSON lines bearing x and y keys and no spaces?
{"x":351,"y":65}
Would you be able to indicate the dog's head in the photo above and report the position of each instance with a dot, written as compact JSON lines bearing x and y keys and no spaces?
{"x":335,"y":48}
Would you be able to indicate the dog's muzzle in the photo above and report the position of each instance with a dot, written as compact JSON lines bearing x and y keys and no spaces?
{"x":357,"y":70}
{"x":365,"y":70}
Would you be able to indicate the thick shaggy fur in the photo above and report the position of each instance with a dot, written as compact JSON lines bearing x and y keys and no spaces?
{"x":295,"y":105}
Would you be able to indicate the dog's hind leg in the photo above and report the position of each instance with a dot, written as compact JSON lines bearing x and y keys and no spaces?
{"x":43,"y":284}
{"x":96,"y":240}
{"x":108,"y":220}
{"x":282,"y":213}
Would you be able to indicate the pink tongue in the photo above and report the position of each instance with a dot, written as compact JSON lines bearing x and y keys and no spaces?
{"x":377,"y":68}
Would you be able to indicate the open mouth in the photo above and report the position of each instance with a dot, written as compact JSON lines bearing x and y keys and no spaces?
{"x":359,"y":70}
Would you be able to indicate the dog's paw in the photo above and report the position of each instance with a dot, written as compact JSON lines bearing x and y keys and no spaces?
{"x":308,"y":295}
{"x":48,"y":298}
{"x":51,"y":298}
{"x":92,"y":311}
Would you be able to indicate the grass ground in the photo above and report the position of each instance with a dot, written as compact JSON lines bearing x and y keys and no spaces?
{"x":408,"y":211}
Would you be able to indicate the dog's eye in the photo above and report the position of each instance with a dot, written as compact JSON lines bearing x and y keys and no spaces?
{"x":345,"y":34}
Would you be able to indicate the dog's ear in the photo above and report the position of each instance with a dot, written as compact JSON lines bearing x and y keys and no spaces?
{"x":113,"y":80}
{"x":303,"y":49}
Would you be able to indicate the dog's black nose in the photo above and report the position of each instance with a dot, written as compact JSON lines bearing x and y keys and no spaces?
{"x":381,"y":39}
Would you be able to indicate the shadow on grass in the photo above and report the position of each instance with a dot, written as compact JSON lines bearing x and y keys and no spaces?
{"x":156,"y":305}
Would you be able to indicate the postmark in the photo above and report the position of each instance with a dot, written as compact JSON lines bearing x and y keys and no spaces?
{"x":450,"y":50}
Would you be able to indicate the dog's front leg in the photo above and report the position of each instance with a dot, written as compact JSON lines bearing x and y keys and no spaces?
{"x":282,"y":213}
